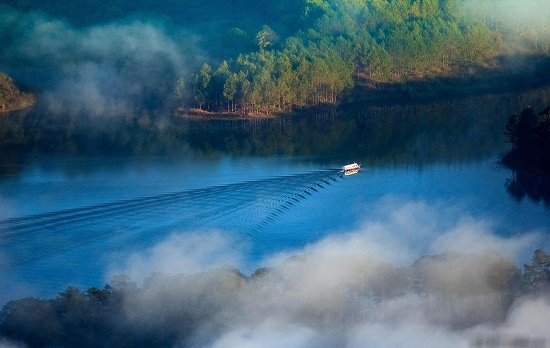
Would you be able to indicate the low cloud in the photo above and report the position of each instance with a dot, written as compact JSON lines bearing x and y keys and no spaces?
{"x":10,"y":344}
{"x":373,"y":286}
{"x":512,"y":13}
{"x":398,"y":231}
{"x":525,"y":20}
{"x":364,"y":287}
{"x":183,"y":253}
{"x":270,"y":334}
{"x":528,"y":318}
{"x":475,"y":236}
{"x":109,"y":68}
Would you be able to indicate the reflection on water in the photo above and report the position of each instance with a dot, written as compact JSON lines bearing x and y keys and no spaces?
{"x":450,"y":131}
{"x":524,"y":184}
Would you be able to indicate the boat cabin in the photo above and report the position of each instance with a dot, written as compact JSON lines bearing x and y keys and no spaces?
{"x":351,"y":168}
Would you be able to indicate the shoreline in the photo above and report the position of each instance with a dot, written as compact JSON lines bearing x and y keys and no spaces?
{"x":381,"y":97}
{"x":508,"y":76}
{"x":197,"y":114}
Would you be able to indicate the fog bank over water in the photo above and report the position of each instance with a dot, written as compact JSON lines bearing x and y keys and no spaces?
{"x":346,"y":289}
{"x":189,"y":253}
{"x":110,"y":68}
{"x":402,"y":231}
{"x":345,"y":262}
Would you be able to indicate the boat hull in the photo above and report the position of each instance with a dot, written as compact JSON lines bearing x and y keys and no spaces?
{"x":351,"y":168}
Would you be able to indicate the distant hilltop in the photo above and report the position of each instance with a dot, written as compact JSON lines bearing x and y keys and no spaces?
{"x":11,"y":98}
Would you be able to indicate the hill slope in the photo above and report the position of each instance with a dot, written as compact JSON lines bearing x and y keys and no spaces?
{"x":264,"y":57}
{"x":11,"y":98}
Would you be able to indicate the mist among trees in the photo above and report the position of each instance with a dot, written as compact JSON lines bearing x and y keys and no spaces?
{"x":246,"y":57}
{"x":453,"y":292}
{"x":262,"y":57}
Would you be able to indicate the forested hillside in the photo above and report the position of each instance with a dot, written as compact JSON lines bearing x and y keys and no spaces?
{"x":264,"y":57}
{"x":373,"y":44}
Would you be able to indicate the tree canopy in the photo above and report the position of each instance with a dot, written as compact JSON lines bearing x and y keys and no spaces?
{"x":273,"y":56}
{"x":344,"y":43}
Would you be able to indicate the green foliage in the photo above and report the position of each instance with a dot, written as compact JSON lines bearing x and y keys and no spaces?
{"x":383,"y":41}
{"x":315,"y":8}
{"x":179,"y":90}
{"x":320,"y":49}
{"x":266,"y":37}
{"x":272,"y":81}
{"x":201,"y":84}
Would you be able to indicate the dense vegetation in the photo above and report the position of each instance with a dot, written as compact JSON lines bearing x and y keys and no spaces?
{"x":354,"y":43}
{"x":264,"y":57}
{"x":379,"y":41}
{"x":186,"y":309}
{"x":529,"y":135}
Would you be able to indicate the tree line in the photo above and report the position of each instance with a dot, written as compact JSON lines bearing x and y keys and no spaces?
{"x":173,"y":309}
{"x":346,"y":43}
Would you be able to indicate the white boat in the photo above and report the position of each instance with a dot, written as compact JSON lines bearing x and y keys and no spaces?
{"x":351,"y":168}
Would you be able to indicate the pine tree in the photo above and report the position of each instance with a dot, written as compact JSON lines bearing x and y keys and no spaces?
{"x":537,"y":275}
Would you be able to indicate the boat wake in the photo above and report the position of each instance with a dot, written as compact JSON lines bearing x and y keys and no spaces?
{"x":247,"y":208}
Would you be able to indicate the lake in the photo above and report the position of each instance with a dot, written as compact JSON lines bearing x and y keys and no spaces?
{"x":83,"y":198}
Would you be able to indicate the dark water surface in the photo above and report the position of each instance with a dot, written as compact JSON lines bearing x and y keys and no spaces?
{"x":82,"y":198}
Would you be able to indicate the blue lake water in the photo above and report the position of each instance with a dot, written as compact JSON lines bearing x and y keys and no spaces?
{"x":71,"y":215}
